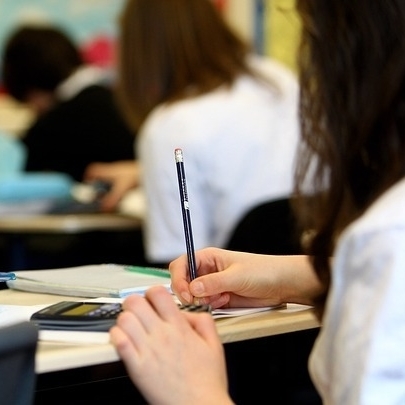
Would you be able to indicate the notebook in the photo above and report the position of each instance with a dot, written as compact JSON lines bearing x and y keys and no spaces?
{"x":92,"y":281}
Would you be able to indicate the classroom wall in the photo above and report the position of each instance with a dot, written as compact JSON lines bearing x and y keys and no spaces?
{"x":283,"y":31}
{"x":91,"y":23}
{"x":272,"y":26}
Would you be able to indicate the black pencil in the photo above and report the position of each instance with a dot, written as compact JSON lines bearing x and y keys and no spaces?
{"x":185,"y":209}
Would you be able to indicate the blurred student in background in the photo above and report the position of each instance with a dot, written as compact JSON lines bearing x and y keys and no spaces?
{"x":76,"y":118}
{"x":187,"y":81}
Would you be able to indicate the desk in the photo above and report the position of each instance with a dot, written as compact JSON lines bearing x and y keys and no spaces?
{"x":60,"y":356}
{"x":88,"y":236}
{"x":69,"y":223}
{"x":278,"y":341}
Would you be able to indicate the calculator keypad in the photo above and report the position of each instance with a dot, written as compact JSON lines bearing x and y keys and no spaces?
{"x":112,"y":310}
{"x":107,"y":311}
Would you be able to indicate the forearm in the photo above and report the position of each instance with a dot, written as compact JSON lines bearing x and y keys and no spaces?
{"x":239,"y":279}
{"x":298,"y":280}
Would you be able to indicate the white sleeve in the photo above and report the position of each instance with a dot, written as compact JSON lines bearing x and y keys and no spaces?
{"x":359,"y":357}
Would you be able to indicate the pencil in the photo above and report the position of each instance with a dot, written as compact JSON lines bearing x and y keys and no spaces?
{"x":185,"y":209}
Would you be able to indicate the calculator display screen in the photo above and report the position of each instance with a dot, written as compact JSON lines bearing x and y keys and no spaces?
{"x":81,"y":309}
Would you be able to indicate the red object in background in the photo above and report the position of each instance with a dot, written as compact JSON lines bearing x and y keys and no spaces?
{"x":100,"y":51}
{"x":221,"y":4}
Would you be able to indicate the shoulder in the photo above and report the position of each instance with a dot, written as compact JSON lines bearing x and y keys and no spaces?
{"x":94,"y":92}
{"x":273,"y":70}
{"x":381,"y":227}
{"x":93,"y":101}
{"x":192,"y":110}
{"x":386,"y":211}
{"x":276,"y":83}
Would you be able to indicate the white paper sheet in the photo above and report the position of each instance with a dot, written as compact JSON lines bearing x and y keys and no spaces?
{"x":10,"y":314}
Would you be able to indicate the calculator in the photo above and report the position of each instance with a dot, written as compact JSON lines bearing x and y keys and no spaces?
{"x":87,"y":316}
{"x":84,"y":316}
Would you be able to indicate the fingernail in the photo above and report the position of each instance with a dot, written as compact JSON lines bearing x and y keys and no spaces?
{"x":197,"y":301}
{"x":186,"y":296}
{"x":197,"y":287}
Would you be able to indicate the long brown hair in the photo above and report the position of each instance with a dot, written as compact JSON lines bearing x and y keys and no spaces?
{"x":171,"y":49}
{"x":352,"y":74}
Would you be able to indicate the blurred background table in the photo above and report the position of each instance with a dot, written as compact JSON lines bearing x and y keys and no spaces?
{"x":63,"y":240}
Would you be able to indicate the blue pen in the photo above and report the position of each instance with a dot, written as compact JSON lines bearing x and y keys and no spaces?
{"x":7,"y":276}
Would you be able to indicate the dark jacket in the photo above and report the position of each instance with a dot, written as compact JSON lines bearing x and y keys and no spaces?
{"x":87,"y":128}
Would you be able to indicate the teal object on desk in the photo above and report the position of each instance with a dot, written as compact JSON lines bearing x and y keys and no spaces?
{"x":150,"y":271}
{"x":16,"y":185}
{"x":13,"y":154}
{"x":7,"y":277}
{"x":19,"y":187}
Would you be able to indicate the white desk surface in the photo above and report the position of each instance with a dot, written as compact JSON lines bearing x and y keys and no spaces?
{"x":62,"y":356}
{"x":67,"y":223}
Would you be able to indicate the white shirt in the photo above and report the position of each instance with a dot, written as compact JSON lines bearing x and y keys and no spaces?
{"x":359,"y":356}
{"x":239,"y":147}
{"x":82,"y":77}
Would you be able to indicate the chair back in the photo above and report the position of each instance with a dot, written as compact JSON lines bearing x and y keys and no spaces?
{"x":17,"y":363}
{"x":268,"y":228}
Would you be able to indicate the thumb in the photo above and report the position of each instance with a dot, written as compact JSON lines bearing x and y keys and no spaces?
{"x":211,"y":284}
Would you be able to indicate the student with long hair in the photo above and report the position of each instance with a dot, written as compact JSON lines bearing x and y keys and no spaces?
{"x":185,"y":79}
{"x":353,"y":123}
